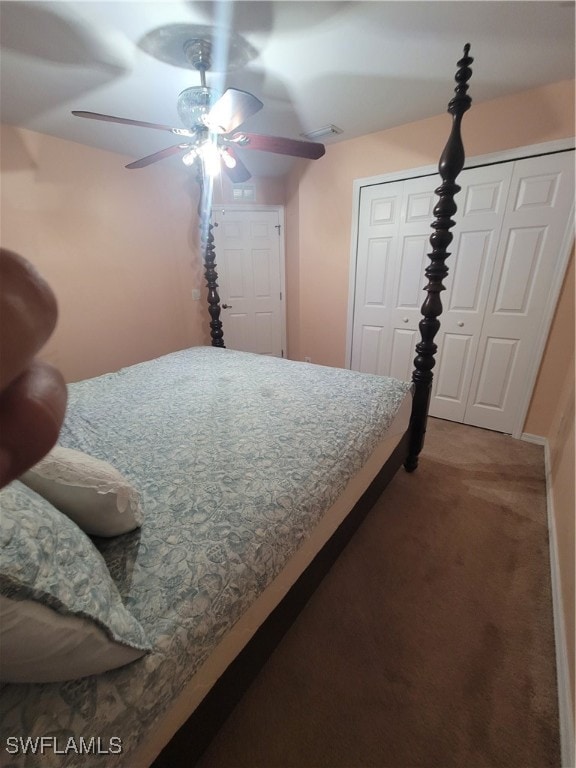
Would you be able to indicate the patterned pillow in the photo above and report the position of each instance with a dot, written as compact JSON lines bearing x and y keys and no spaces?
{"x":90,"y":491}
{"x":63,"y":615}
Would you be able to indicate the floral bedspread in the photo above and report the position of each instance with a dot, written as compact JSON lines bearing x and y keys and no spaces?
{"x":236,"y":456}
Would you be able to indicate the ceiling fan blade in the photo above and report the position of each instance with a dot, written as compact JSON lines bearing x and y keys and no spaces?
{"x":281,"y":146}
{"x":238,"y":172}
{"x":153,"y":158}
{"x":127,"y":121}
{"x":231,"y":109}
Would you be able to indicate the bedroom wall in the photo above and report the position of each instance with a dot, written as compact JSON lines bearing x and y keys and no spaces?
{"x":265,"y":191}
{"x":562,"y":461}
{"x":119,"y":248}
{"x":319,"y":209}
{"x":557,"y":364}
{"x":552,"y":416}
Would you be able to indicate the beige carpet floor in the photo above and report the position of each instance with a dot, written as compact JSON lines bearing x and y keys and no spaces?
{"x":430,"y":642}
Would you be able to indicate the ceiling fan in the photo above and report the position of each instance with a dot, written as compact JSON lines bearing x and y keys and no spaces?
{"x":210,"y":134}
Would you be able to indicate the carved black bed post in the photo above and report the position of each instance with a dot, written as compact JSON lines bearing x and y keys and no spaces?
{"x":451,"y":163}
{"x":209,"y":257}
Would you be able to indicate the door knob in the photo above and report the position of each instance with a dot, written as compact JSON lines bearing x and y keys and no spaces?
{"x":226,"y":306}
{"x":460,"y":324}
{"x":406,"y":320}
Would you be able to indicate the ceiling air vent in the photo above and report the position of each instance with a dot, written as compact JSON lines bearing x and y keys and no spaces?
{"x":322,"y":133}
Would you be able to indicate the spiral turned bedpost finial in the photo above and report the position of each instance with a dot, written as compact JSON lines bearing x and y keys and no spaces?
{"x":209,"y":258}
{"x":450,"y":165}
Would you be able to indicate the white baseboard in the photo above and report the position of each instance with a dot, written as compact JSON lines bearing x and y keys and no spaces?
{"x":528,"y":438}
{"x":566,"y":715}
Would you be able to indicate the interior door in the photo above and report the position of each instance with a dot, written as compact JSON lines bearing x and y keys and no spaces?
{"x":249,"y":265}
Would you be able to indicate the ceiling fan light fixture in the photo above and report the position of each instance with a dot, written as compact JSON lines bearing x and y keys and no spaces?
{"x":210,"y":156}
{"x":194,"y":104}
{"x":227,"y":159}
{"x":189,"y":157}
{"x":210,"y":118}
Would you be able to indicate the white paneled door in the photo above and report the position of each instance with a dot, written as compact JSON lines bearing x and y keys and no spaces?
{"x":511,"y":223}
{"x":250,"y":278}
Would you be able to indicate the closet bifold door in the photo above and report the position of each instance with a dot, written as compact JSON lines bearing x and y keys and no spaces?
{"x":510,"y":228}
{"x":393,"y":243}
{"x":380,"y":224}
{"x":481,"y":207}
{"x":536,"y":218}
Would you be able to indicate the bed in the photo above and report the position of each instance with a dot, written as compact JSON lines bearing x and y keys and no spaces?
{"x":251,"y":475}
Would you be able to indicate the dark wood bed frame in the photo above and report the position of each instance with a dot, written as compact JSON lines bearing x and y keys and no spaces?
{"x":194,"y":736}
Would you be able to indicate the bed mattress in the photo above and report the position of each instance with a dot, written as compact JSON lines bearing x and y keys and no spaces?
{"x":245,"y":465}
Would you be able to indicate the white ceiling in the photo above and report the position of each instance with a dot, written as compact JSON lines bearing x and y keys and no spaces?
{"x":363,"y":66}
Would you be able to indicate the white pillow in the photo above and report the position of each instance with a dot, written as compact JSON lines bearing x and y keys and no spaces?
{"x":89,"y":491}
{"x":40,"y":645}
{"x":61,"y":615}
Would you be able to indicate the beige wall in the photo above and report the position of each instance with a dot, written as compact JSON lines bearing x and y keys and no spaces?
{"x":120,"y":248}
{"x":552,"y":416}
{"x":561,"y":441}
{"x":266,"y":191}
{"x":557,"y":364}
{"x":319,"y":209}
